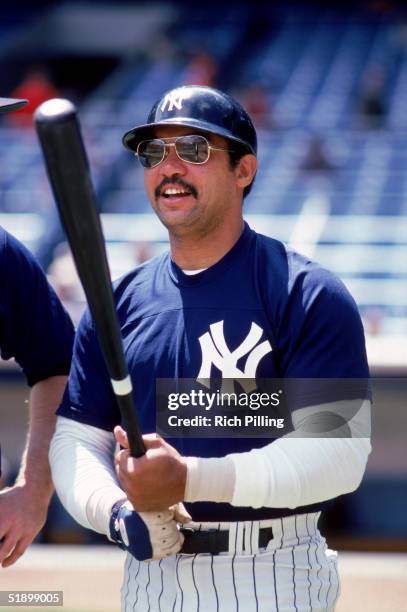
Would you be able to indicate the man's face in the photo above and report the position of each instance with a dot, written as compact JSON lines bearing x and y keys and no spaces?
{"x":211,"y":192}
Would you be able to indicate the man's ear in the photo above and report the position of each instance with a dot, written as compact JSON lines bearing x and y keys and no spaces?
{"x":245,"y":170}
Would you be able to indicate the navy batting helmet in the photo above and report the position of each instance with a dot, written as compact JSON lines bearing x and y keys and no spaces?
{"x":204,"y":108}
{"x":9,"y":104}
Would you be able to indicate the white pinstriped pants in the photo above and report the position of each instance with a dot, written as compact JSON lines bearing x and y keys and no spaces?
{"x":295,"y":573}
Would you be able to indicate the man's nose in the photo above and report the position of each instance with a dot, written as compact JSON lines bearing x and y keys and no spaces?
{"x":172,"y":164}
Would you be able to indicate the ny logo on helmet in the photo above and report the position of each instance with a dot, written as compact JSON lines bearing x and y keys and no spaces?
{"x":216,"y":352}
{"x":173,"y":98}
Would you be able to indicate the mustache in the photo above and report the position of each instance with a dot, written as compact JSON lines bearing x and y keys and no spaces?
{"x":175,"y":181}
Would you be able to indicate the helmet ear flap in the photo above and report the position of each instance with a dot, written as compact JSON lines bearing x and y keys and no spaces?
{"x":204,"y":108}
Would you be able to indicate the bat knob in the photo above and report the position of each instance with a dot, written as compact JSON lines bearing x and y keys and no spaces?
{"x":54,"y":111}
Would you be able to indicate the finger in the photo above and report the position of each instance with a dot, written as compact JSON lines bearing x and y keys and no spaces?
{"x":181,"y":514}
{"x":120,"y":461}
{"x":131,"y":465}
{"x":122,"y":456}
{"x":125,"y":464}
{"x":121,"y":436}
{"x":151,"y":438}
{"x":18,"y":551}
{"x":151,"y":441}
{"x":7,"y":546}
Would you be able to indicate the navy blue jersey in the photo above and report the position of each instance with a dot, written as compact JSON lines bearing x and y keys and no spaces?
{"x":34,"y":327}
{"x":262,"y":310}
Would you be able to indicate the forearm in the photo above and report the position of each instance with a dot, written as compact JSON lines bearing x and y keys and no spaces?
{"x":81,"y":458}
{"x":44,"y":399}
{"x":293,"y":471}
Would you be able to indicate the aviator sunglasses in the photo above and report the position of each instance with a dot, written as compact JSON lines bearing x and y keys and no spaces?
{"x":193,"y":149}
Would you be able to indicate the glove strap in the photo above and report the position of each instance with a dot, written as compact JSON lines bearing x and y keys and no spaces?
{"x":114,"y":528}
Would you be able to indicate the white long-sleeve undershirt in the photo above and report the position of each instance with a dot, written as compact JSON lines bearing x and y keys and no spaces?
{"x":81,"y":459}
{"x":293,"y":471}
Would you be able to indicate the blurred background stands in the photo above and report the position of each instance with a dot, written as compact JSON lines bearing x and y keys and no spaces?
{"x":327,"y":88}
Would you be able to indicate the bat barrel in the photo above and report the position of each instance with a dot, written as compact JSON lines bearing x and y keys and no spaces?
{"x":69,"y":173}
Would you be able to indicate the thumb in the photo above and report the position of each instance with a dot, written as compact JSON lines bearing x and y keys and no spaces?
{"x":121,"y":436}
{"x":181,"y":514}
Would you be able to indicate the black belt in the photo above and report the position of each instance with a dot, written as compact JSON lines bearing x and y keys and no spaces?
{"x":215,"y":541}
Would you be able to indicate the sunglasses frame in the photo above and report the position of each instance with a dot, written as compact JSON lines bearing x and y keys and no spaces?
{"x":174,"y":144}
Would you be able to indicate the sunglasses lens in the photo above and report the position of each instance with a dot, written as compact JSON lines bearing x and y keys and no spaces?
{"x":151,"y":152}
{"x":193,"y":149}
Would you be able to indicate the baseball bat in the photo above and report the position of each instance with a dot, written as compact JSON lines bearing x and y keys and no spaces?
{"x":59,"y":133}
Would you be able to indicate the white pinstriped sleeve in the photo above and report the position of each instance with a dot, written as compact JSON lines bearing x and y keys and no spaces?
{"x":81,"y":459}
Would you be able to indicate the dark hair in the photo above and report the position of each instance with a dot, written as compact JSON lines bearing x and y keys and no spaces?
{"x":235,"y":156}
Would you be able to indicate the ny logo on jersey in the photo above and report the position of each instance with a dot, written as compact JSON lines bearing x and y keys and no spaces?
{"x":173,"y":99}
{"x":216,"y":352}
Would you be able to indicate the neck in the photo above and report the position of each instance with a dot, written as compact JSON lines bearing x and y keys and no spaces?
{"x":194,"y":253}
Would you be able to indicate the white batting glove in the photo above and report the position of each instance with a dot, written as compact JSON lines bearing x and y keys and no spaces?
{"x":147,"y":535}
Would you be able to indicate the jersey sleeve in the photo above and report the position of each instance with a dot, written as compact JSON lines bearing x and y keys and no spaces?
{"x":89,"y":396}
{"x":35,"y":329}
{"x":321,"y":341}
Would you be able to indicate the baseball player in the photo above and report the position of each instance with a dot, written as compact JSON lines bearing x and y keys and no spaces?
{"x":225,"y":302}
{"x":38,"y":333}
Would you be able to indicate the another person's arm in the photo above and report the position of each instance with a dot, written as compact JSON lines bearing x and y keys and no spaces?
{"x":38,"y":333}
{"x":23,"y":507}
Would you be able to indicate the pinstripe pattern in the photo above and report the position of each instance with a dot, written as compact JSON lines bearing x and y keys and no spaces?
{"x":329,"y":587}
{"x":162,"y":585}
{"x":233,"y":574}
{"x":312,"y":546}
{"x":254,"y":582}
{"x":254,"y":538}
{"x":147,"y":585}
{"x":214,"y":585}
{"x":179,"y":557}
{"x":303,"y":573}
{"x":127,"y":570}
{"x":194,"y":581}
{"x":320,"y":568}
{"x":274,"y":581}
{"x":175,"y":597}
{"x":280,"y":545}
{"x":138,"y":586}
{"x":294,"y":581}
{"x":309,"y":561}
